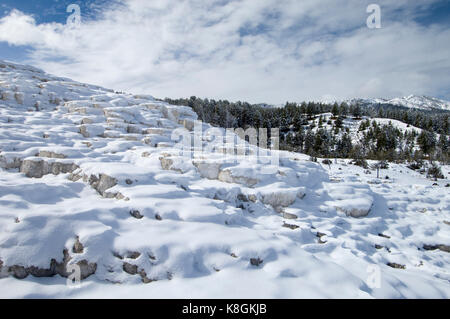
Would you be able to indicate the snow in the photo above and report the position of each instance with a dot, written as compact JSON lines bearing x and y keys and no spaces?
{"x":203,"y":219}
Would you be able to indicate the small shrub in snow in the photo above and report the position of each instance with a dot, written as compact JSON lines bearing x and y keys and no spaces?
{"x":383,"y":165}
{"x":435,"y":172}
{"x":415,"y":165}
{"x":360,"y":162}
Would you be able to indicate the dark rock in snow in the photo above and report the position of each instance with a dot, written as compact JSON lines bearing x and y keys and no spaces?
{"x":86,"y":269}
{"x":144,"y":277}
{"x":320,"y":235}
{"x":445,"y":248}
{"x":19,"y":272}
{"x":136,"y":214}
{"x":396,"y":266}
{"x":130,"y":269}
{"x":78,"y":247}
{"x":133,"y":255}
{"x":293,"y":227}
{"x":289,"y":216}
{"x":256,"y":261}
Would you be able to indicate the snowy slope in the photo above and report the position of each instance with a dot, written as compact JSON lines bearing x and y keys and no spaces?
{"x":412,"y":101}
{"x":94,"y":178}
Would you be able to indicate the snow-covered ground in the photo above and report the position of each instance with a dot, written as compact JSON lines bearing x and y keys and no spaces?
{"x":93,"y":178}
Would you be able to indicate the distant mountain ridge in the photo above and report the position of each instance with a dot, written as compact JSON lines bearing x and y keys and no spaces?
{"x":412,"y":101}
{"x":426,"y":103}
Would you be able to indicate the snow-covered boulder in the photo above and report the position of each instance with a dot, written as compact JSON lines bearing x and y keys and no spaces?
{"x":91,"y":130}
{"x":355,"y":200}
{"x":10,"y":162}
{"x":174,"y":163}
{"x":19,"y":97}
{"x":208,"y":170}
{"x":280,"y":198}
{"x":228,"y":176}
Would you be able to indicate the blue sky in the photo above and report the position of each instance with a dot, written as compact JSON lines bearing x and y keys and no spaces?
{"x":44,"y":11}
{"x":260,"y":51}
{"x":51,"y":10}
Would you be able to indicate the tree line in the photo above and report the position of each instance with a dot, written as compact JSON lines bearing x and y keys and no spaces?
{"x":304,"y":128}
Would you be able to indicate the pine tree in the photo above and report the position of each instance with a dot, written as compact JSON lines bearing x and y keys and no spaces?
{"x":427,"y":142}
{"x":339,"y":122}
{"x":300,"y":139}
{"x":344,"y":109}
{"x":309,"y":142}
{"x":344,"y":146}
{"x":356,"y":112}
{"x":335,"y":110}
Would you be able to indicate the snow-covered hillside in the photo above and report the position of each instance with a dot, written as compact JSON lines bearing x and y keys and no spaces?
{"x":95,"y":178}
{"x":412,"y":101}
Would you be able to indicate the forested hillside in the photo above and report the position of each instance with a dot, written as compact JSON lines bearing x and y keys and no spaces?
{"x":339,"y":130}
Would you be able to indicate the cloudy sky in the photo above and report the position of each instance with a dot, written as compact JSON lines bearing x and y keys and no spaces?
{"x":269,"y":51}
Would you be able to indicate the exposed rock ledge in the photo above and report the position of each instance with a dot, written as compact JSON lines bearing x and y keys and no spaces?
{"x":55,"y":268}
{"x":100,"y":183}
{"x":227,"y":176}
{"x":37,"y":167}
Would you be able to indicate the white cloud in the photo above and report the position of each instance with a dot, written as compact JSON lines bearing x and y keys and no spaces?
{"x":259,"y":51}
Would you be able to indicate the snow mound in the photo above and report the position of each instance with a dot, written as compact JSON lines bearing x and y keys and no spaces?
{"x":352,"y":199}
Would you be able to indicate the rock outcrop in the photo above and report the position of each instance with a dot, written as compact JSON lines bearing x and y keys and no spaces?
{"x":37,"y":168}
{"x":13,"y":163}
{"x":86,"y":268}
{"x":102,"y":183}
{"x":227,"y":176}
